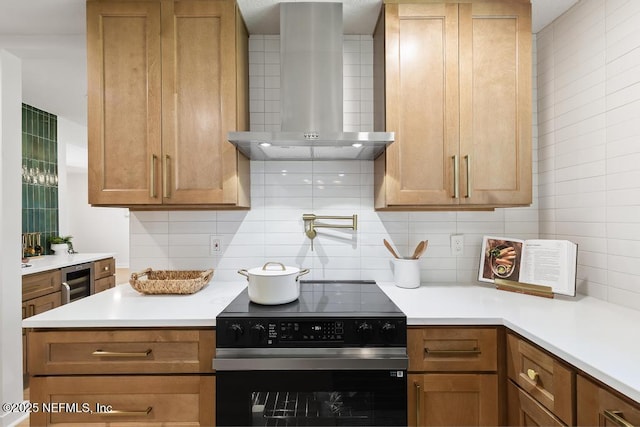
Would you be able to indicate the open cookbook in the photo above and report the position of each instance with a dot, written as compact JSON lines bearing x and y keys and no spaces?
{"x":541,"y":262}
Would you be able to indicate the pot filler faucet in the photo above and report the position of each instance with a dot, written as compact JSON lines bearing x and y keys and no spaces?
{"x":310,"y":224}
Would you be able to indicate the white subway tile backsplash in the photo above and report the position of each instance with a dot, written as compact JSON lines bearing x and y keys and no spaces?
{"x":586,"y":182}
{"x":147,"y":227}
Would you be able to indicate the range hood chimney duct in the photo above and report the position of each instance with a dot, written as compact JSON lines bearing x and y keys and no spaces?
{"x":311,"y":67}
{"x":311,"y":37}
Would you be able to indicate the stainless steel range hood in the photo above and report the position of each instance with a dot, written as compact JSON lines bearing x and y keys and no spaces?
{"x":311,"y":93}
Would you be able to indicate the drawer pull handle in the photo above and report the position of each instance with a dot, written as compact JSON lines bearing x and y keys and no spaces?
{"x":533,"y":375}
{"x":102,"y":353}
{"x":106,"y":268}
{"x":452,"y":353}
{"x":616,"y":418}
{"x":116,"y":413}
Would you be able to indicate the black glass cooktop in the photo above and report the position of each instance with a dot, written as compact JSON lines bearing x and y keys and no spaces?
{"x":322,"y":299}
{"x":327,"y":314}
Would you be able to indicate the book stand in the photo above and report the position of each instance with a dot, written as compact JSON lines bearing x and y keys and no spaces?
{"x":524,"y":288}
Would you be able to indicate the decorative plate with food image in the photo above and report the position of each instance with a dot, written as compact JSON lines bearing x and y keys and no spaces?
{"x":503,"y":260}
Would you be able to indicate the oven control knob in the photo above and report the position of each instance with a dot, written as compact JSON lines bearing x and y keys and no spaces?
{"x":364,"y":331}
{"x":258,"y":333}
{"x":388,"y":331}
{"x":235,"y":331}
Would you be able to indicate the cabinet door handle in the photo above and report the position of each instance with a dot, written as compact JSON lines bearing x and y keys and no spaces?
{"x":445,"y":353}
{"x":102,"y":353}
{"x":468,"y":160}
{"x":456,"y":177}
{"x":32,"y":310}
{"x":118,"y":413}
{"x":418,"y":390}
{"x":166,"y":193}
{"x":616,"y":418}
{"x":533,"y":375}
{"x":152,"y":169}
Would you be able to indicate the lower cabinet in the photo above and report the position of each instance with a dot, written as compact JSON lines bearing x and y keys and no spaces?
{"x":540,"y":386}
{"x":453,"y":399}
{"x":40,"y":293}
{"x":160,"y":376}
{"x":453,"y":376}
{"x":104,"y":271}
{"x":598,"y":405}
{"x":165,"y":399}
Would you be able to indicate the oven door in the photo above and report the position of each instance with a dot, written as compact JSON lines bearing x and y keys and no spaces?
{"x":340,"y":390}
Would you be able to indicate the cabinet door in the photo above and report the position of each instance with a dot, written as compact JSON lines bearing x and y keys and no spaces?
{"x":31,"y":308}
{"x":124,"y":102}
{"x":453,"y":400}
{"x":599,"y":406}
{"x":495,"y":103}
{"x":421,"y":104}
{"x":199,"y":66}
{"x":523,"y":410}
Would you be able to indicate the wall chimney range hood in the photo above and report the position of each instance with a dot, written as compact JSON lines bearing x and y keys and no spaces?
{"x":311,"y":36}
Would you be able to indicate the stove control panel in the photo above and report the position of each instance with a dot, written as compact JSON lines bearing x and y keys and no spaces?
{"x":307,"y":330}
{"x":304,"y":332}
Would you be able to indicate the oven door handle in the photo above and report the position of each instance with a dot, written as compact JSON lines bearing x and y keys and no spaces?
{"x":394,"y":363}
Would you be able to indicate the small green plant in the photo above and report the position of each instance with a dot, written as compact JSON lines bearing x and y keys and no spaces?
{"x":54,"y":240}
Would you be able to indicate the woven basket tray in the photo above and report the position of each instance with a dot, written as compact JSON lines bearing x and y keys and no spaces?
{"x":170,"y":281}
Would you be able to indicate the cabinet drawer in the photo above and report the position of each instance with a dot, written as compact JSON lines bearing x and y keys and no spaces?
{"x":543,"y":376}
{"x":161,"y":400}
{"x":523,"y":410}
{"x":120,"y":351}
{"x":452,"y":349}
{"x":104,"y":268}
{"x":41,"y":304}
{"x":38,"y":284}
{"x":598,"y":406}
{"x":104,"y":284}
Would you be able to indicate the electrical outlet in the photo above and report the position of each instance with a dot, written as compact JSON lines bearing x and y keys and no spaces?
{"x":457,"y":244}
{"x":215,"y":245}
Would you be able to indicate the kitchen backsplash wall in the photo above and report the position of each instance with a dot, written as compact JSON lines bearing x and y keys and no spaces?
{"x":589,"y":133}
{"x":39,"y":173}
{"x":281,"y":192}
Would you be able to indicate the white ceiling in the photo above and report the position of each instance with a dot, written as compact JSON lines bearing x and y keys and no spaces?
{"x":49,"y":37}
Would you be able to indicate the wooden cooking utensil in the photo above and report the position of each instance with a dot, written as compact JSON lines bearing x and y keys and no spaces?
{"x":422,"y":246}
{"x":390,"y":248}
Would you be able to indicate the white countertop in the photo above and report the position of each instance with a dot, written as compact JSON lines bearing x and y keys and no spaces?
{"x":599,"y":338}
{"x":123,"y":306}
{"x":51,"y":262}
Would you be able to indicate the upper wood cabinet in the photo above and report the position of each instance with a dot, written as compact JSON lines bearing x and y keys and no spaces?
{"x":453,"y":81}
{"x":167,"y":81}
